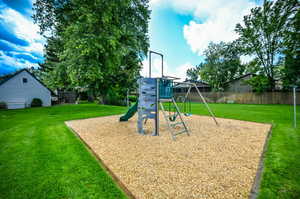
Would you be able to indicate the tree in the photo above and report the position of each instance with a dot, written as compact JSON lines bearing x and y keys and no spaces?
{"x":193,"y":74}
{"x":103,"y":42}
{"x":264,"y":31}
{"x":52,"y":17}
{"x":291,"y":70}
{"x":52,"y":72}
{"x":222,"y":64}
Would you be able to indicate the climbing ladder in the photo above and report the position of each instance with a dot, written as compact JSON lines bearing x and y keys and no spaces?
{"x":172,"y":125}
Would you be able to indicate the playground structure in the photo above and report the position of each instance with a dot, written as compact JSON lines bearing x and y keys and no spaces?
{"x":153,"y":93}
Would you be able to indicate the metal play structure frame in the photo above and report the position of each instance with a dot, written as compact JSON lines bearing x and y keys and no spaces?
{"x":153,"y":92}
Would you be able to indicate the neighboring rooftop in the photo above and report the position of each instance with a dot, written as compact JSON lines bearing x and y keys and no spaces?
{"x":5,"y":78}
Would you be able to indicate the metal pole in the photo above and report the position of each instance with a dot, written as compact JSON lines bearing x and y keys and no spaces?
{"x":157,"y":108}
{"x":203,"y":99}
{"x":162,"y":62}
{"x":162,"y":66}
{"x":295,"y":119}
{"x":127,"y":98}
{"x":150,"y":64}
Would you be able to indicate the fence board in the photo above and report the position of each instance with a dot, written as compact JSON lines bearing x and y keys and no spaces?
{"x":244,"y":98}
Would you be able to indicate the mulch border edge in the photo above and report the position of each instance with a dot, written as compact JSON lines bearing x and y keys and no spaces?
{"x":121,"y":185}
{"x":256,"y":184}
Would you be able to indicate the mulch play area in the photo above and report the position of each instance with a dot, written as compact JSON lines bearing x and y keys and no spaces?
{"x":213,"y":162}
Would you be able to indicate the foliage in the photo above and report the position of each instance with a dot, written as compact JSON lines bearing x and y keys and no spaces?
{"x":3,"y":105}
{"x":193,"y":74}
{"x":259,"y":83}
{"x":133,"y":98}
{"x":222,"y":64}
{"x":97,"y":45}
{"x":36,"y":102}
{"x":291,"y":71}
{"x":52,"y":71}
{"x":114,"y":97}
{"x":264,"y":31}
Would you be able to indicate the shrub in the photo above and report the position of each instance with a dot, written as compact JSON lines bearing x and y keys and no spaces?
{"x":36,"y":102}
{"x":259,"y":83}
{"x":3,"y":105}
{"x":132,"y":98}
{"x":114,"y":98}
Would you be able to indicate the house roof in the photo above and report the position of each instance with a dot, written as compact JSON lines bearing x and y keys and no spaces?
{"x":238,"y":78}
{"x":198,"y":84}
{"x":5,"y":78}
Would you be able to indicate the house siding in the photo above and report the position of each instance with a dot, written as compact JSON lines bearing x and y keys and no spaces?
{"x":19,"y":95}
{"x":239,"y":85}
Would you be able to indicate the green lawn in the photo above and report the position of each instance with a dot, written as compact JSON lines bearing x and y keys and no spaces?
{"x":41,"y":158}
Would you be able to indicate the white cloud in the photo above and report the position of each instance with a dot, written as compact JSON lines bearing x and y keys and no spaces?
{"x":24,"y":29}
{"x":155,"y":68}
{"x":179,"y":71}
{"x":16,"y":62}
{"x":219,"y":19}
{"x":246,"y":58}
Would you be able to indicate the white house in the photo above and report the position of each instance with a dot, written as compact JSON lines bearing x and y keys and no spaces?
{"x":18,"y":90}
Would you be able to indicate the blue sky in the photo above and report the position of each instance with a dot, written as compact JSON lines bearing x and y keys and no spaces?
{"x":20,"y":44}
{"x":180,"y":29}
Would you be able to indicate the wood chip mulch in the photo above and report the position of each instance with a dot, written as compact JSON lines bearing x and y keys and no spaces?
{"x":213,"y":162}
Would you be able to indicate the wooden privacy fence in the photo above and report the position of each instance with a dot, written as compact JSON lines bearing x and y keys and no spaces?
{"x":244,"y":98}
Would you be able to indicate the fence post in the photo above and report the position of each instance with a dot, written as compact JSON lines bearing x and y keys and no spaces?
{"x":127,"y":98}
{"x":295,"y":119}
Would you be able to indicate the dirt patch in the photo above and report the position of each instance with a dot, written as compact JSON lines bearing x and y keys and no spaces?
{"x":213,"y":162}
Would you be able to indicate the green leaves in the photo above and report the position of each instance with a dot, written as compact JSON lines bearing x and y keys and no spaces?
{"x":222,"y":64}
{"x":264,"y":33}
{"x":102,"y":42}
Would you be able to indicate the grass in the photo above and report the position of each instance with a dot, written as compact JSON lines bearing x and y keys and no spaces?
{"x":41,"y":158}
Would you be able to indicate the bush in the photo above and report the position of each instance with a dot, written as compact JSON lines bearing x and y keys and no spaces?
{"x":132,"y":98}
{"x":3,"y":105}
{"x":36,"y":102}
{"x":259,"y":83}
{"x":114,"y":98}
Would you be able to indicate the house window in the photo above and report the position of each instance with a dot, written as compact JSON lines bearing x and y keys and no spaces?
{"x":25,"y":80}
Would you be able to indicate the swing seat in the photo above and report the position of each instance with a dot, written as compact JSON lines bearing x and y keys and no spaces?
{"x":172,"y":118}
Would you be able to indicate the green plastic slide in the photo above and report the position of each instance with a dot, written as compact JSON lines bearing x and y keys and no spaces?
{"x":131,"y":111}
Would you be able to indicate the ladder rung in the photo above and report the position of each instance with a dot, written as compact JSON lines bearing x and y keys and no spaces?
{"x":180,"y":132}
{"x":176,"y":123}
{"x":165,"y":100}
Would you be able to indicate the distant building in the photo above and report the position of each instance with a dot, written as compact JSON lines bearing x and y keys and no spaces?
{"x":238,"y":85}
{"x":19,"y":89}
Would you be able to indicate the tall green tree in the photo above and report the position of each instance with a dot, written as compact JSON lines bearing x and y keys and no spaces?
{"x":194,"y":73}
{"x":53,"y":16}
{"x":263,"y":33}
{"x":52,"y":72}
{"x":103,"y":42}
{"x":291,"y":53}
{"x":222,"y":64}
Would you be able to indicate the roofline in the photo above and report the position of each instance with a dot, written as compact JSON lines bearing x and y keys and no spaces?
{"x":25,"y":69}
{"x":196,"y":81}
{"x":238,"y":78}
